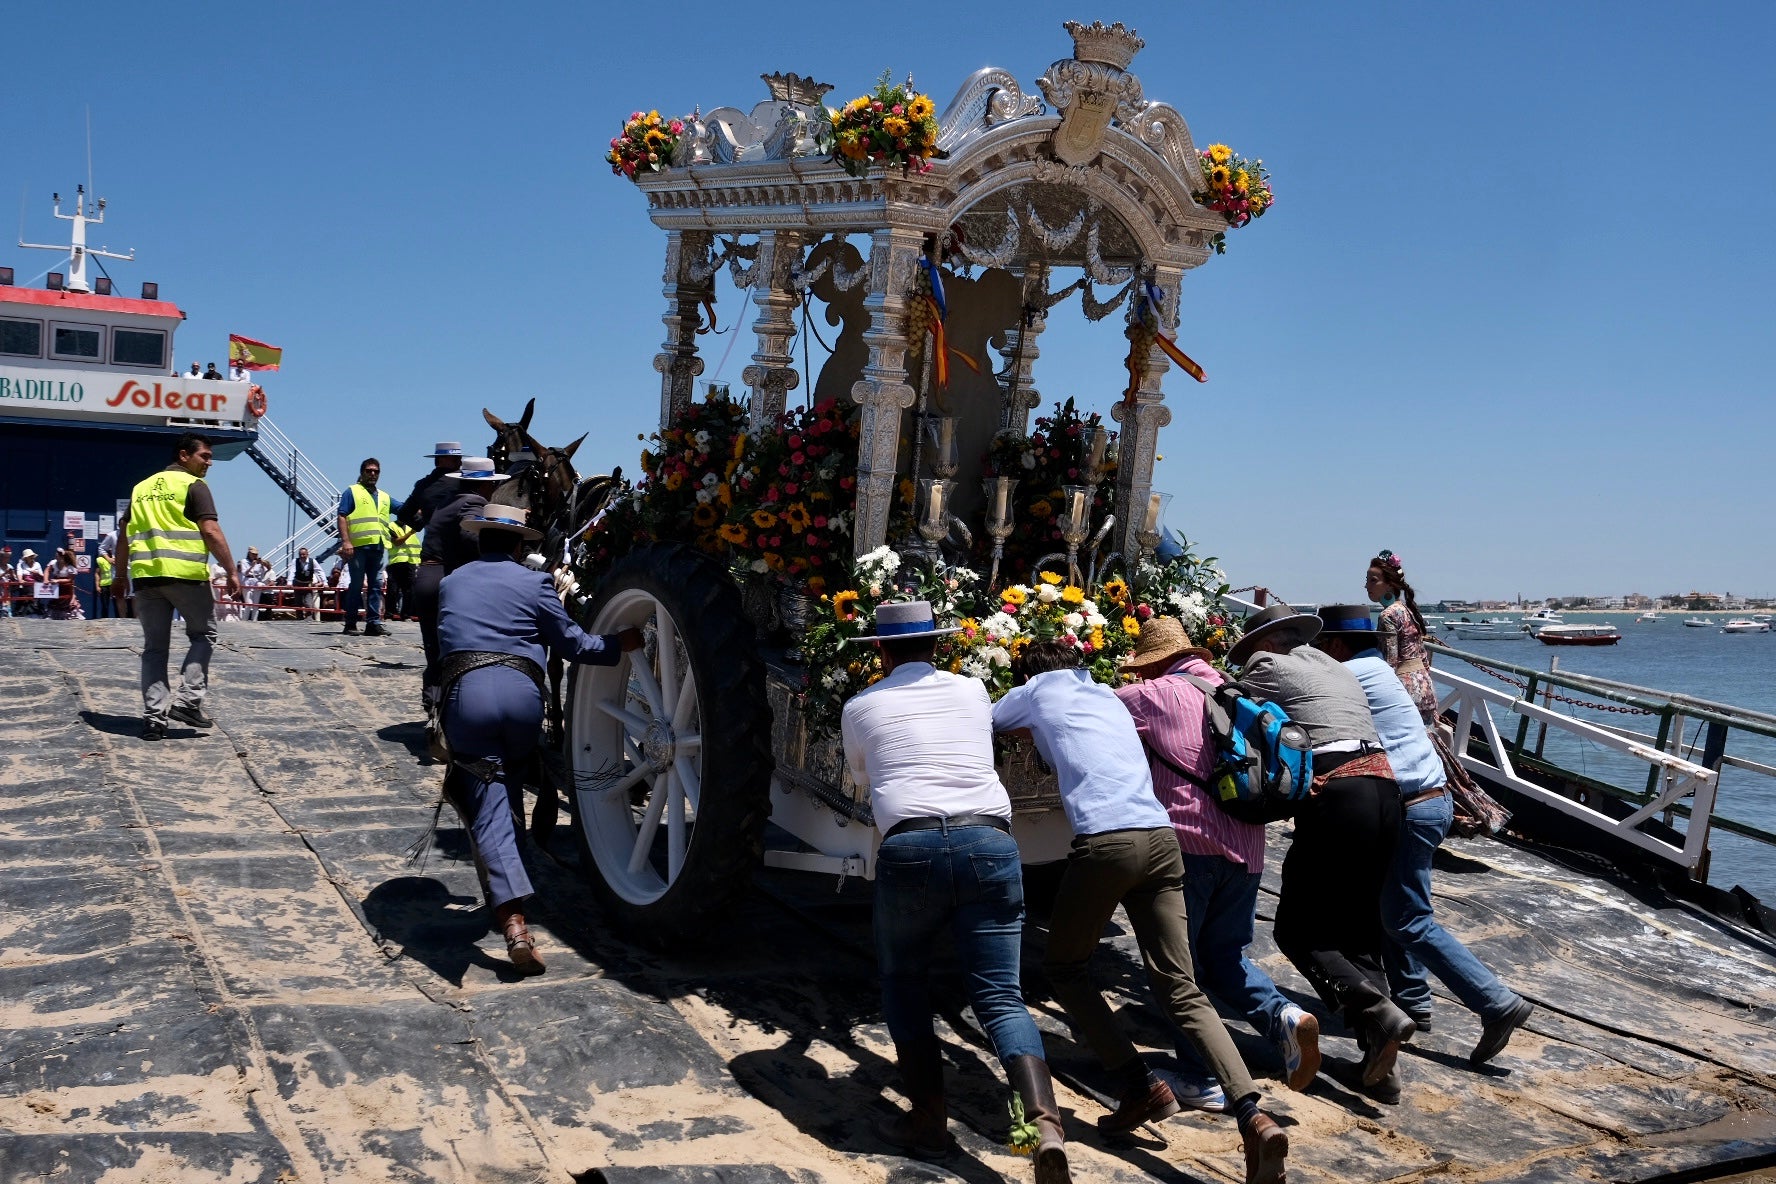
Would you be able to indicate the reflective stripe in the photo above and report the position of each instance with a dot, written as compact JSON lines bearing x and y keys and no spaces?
{"x":163,"y":543}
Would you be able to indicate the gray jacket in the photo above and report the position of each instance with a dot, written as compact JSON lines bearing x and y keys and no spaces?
{"x":1317,"y":692}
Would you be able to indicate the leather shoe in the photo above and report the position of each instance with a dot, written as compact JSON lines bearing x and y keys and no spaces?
{"x":1147,"y":1099}
{"x":521,"y":947}
{"x":154,"y":730}
{"x":191,"y":714}
{"x":1382,"y":1028}
{"x":1497,"y":1033}
{"x":375,"y":629}
{"x":1387,"y":1089}
{"x":1267,"y":1150}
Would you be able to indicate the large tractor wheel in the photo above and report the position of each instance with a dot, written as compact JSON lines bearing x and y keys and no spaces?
{"x":670,"y":750}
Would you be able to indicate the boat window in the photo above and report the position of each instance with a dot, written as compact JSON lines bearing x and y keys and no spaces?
{"x":138,"y":347}
{"x":75,"y":341}
{"x":21,"y":339}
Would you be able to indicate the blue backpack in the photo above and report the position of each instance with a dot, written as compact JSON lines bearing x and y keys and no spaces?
{"x":1263,"y":767}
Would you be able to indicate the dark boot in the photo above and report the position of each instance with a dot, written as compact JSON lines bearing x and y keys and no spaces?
{"x":922,"y":1132}
{"x":1381,"y":1029}
{"x":1029,"y":1077}
{"x":1141,"y":1098}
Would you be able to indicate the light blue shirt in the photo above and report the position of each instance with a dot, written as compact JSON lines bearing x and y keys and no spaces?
{"x":1417,"y":767}
{"x":1084,"y":731}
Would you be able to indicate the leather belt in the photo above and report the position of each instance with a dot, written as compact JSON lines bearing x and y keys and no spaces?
{"x":1429,"y":795}
{"x":948,"y":824}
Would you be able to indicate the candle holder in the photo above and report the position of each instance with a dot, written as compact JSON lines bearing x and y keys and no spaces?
{"x":1151,"y":531}
{"x":940,"y":434}
{"x":1075,"y":525}
{"x":1001,"y":493}
{"x":934,"y":517}
{"x":1097,"y":459}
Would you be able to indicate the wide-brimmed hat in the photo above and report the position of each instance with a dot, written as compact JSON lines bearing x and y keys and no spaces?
{"x":1163,"y":642}
{"x":1354,"y":622}
{"x":500,"y":517}
{"x":28,"y":554}
{"x":1278,"y":619}
{"x":446,"y":448}
{"x":477,"y":468}
{"x":901,"y":619}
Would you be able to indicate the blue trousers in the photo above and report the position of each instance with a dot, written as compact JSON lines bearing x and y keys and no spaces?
{"x":970,"y":881}
{"x":364,"y":587}
{"x":1418,"y":944}
{"x":494,"y":714}
{"x":1222,"y":899}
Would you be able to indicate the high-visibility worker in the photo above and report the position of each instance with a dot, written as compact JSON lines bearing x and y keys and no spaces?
{"x":364,"y":535}
{"x":171,"y":527}
{"x":403,"y":564}
{"x":103,"y":605}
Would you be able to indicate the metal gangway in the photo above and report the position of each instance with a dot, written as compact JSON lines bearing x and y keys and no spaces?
{"x":307,"y":486}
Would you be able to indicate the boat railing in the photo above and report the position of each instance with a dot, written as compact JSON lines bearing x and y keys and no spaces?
{"x":1684,"y":753}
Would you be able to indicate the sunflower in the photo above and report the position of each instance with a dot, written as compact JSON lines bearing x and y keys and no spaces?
{"x":816,"y":584}
{"x":674,"y":481}
{"x":764,"y":519}
{"x":796,"y":517}
{"x":724,"y":493}
{"x":1016,"y":594}
{"x":921,"y":107}
{"x":1116,"y":590}
{"x":1041,"y":509}
{"x":844,"y":605}
{"x":733,"y":532}
{"x":740,"y":446}
{"x":1072,"y":593}
{"x":704,"y":514}
{"x":1131,"y":626}
{"x":1220,"y":153}
{"x":1219,"y":176}
{"x":1049,"y":577}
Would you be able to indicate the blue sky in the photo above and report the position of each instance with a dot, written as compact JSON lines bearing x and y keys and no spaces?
{"x":1506,"y":318}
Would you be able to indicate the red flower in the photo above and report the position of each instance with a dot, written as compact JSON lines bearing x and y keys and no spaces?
{"x":1143,"y":611}
{"x":798,"y":458}
{"x":795,"y":441}
{"x":820,"y":521}
{"x":847,"y":482}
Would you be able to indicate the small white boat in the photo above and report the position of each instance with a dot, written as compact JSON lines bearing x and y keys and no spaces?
{"x":1497,"y":629}
{"x":1541,"y":619}
{"x":1698,"y":622}
{"x":1647,"y":617}
{"x":1740,"y":625}
{"x":1579,"y":635}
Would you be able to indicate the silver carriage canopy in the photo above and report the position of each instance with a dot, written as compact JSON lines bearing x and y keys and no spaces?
{"x":1097,"y":179}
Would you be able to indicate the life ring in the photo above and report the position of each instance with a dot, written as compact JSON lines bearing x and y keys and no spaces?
{"x":256,"y":402}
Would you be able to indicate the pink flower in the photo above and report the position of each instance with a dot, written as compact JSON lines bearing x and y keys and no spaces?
{"x":634,"y":115}
{"x":875,"y":106}
{"x":676,"y":126}
{"x":1143,"y":611}
{"x":798,"y":458}
{"x":813,"y":540}
{"x":820,"y":522}
{"x":1009,"y":609}
{"x":897,"y":109}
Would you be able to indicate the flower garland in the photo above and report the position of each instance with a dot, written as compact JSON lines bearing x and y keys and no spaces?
{"x":1238,"y":189}
{"x":646,"y":144}
{"x":1053,"y":455}
{"x":893,"y":126}
{"x":793,"y":497}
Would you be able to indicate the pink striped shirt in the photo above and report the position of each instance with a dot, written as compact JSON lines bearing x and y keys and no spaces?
{"x":1168,"y":714}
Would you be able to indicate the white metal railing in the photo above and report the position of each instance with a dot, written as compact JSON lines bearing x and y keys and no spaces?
{"x":1677,"y":778}
{"x":305,"y":482}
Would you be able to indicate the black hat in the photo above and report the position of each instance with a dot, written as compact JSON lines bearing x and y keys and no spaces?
{"x":1277,"y":619}
{"x":1354,"y":622}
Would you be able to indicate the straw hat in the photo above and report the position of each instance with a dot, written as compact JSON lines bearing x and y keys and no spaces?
{"x":1163,"y":642}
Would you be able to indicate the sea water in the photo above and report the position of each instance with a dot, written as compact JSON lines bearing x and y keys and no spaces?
{"x":1738,"y":669}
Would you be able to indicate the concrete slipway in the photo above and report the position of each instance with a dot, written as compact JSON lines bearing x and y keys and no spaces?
{"x":218,"y":965}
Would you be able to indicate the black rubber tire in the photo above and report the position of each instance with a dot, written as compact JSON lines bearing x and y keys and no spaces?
{"x":727,"y":842}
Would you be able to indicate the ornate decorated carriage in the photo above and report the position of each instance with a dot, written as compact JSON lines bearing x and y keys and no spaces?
{"x":922,"y":254}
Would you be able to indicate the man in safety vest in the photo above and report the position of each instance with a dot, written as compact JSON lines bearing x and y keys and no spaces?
{"x":171,"y":526}
{"x":364,"y":537}
{"x":403,"y":560}
{"x":103,"y":604}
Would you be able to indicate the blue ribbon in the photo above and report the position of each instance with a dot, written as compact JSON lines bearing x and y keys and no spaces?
{"x":896,"y":628}
{"x":503,"y":522}
{"x":937,"y":292}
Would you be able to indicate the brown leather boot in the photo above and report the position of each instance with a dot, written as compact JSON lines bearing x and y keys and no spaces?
{"x":1030,"y":1078}
{"x":1267,"y":1150}
{"x":1142,"y":1098}
{"x":923,"y":1131}
{"x":520,"y":946}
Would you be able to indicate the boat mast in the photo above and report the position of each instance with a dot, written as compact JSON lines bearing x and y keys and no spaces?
{"x":77,"y":250}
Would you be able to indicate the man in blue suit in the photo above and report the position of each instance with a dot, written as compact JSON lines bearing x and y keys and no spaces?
{"x":497,"y":622}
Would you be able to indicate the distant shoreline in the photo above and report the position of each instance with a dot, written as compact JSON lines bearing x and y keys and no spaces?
{"x":1606,"y":612}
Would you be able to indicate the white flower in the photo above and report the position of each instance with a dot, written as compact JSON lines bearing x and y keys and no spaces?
{"x":975,"y":668}
{"x":710,"y":480}
{"x":997,"y":655}
{"x":1028,"y":460}
{"x":875,"y":589}
{"x":702,"y":439}
{"x":833,"y":680}
{"x":1095,"y":619}
{"x":1048,"y":594}
{"x":1000,"y":626}
{"x":760,"y":567}
{"x":703,"y":496}
{"x":1073,"y":620}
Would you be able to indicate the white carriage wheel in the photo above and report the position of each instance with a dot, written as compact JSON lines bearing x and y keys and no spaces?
{"x":636,"y":752}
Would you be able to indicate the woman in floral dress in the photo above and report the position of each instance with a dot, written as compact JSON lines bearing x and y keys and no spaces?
{"x":1403,"y":631}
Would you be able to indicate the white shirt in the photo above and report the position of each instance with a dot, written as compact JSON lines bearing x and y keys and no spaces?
{"x":238,"y":374}
{"x":921,"y":741}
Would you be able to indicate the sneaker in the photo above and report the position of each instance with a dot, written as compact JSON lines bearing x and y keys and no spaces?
{"x":375,"y":629}
{"x":1199,"y":1093}
{"x":1300,"y":1046}
{"x":1497,"y":1033}
{"x":154,"y":730}
{"x":191,"y":714}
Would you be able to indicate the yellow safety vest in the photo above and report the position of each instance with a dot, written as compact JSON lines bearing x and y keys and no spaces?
{"x":407,"y":552}
{"x":104,"y":566}
{"x":368,"y":525}
{"x":163,"y":543}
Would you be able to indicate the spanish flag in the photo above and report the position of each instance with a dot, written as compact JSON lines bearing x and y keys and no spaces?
{"x":253,"y":355}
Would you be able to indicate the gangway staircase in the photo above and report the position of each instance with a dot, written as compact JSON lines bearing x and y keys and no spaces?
{"x":308,"y":487}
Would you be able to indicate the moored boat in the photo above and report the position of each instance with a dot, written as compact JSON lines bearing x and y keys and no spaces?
{"x":1496,"y":629}
{"x":1542,"y":618}
{"x":1699,"y":622}
{"x":1579,"y":635}
{"x":1741,"y":625}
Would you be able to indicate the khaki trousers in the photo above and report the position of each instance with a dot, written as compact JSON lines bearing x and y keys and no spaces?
{"x":1143,"y":871}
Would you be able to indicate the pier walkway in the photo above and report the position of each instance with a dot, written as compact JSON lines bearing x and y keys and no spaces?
{"x":218,"y":966}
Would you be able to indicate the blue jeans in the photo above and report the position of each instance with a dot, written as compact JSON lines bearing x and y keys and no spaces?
{"x":1221,"y":897}
{"x":969,"y":880}
{"x":1416,"y":942}
{"x":364,"y":585}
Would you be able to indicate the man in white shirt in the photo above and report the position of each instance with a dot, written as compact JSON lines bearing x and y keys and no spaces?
{"x":921,"y":741}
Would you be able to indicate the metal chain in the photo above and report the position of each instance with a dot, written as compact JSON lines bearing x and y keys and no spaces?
{"x":1615,"y":707}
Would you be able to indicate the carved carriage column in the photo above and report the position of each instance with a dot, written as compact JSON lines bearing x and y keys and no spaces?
{"x":771,"y":375}
{"x":1017,"y":396}
{"x":1141,"y":421}
{"x":883,"y":392}
{"x":685,"y":289}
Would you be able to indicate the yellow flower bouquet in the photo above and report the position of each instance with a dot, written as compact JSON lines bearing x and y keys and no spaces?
{"x":893,"y":126}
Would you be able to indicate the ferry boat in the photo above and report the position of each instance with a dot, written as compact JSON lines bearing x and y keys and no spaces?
{"x":1743,"y":626}
{"x":1578,"y":635}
